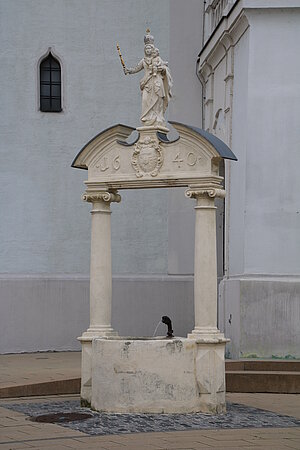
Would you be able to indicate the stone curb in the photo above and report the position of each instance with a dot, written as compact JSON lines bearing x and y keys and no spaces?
{"x":67,"y":386}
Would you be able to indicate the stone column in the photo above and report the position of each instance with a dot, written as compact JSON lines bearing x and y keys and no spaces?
{"x":100,"y":282}
{"x":205,"y":271}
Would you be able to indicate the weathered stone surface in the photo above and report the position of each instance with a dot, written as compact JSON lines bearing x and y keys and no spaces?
{"x":157,"y":375}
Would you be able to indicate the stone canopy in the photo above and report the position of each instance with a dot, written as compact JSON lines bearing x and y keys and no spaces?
{"x":152,"y":160}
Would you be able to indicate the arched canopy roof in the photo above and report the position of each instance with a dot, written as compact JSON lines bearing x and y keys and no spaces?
{"x":117,"y":132}
{"x":223,"y":149}
{"x":122,"y":132}
{"x":122,"y":157}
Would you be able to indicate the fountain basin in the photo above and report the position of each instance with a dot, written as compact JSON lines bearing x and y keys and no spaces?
{"x":158,"y":375}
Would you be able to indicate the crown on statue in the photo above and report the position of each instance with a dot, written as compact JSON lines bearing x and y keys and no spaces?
{"x":148,"y":38}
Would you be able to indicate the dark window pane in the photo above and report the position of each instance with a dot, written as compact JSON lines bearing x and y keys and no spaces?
{"x":55,"y":75}
{"x":55,"y":90}
{"x":55,"y":64}
{"x":45,"y":104}
{"x":56,"y":104}
{"x":46,"y":63}
{"x":45,"y":90}
{"x":45,"y":75}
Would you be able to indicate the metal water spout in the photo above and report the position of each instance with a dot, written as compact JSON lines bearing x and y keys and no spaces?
{"x":166,"y":320}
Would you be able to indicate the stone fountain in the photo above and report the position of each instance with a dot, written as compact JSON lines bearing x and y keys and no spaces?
{"x":153,"y":375}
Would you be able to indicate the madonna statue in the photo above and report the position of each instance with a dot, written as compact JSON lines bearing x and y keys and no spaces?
{"x":155,"y":85}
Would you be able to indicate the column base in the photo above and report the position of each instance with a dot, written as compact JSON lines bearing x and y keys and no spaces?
{"x":208,"y":334}
{"x":94,"y":332}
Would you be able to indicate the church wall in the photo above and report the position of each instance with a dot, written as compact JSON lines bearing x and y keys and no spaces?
{"x":46,"y":224}
{"x":261,"y":293}
{"x":237,"y":180}
{"x":44,"y":258}
{"x":186,"y":107}
{"x":272,"y":245}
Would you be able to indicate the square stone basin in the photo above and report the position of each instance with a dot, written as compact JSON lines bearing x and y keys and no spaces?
{"x":157,"y":375}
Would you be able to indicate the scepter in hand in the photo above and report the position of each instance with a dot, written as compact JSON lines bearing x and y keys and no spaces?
{"x":122,"y":60}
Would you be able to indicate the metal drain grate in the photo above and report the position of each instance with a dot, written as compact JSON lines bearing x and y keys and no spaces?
{"x":61,"y":417}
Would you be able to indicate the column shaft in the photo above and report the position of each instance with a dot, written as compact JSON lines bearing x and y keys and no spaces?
{"x":100,"y":265}
{"x":205,"y":273}
{"x":100,"y":268}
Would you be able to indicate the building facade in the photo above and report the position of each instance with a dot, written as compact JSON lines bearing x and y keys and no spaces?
{"x":251,"y":77}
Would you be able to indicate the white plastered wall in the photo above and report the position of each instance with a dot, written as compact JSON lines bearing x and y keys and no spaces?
{"x":44,"y":256}
{"x":261,"y":293}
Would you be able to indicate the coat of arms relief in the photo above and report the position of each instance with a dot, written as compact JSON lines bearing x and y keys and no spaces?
{"x":147,"y":157}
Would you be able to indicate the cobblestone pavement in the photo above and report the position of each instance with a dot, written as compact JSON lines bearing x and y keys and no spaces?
{"x":237,"y":416}
{"x":18,"y":432}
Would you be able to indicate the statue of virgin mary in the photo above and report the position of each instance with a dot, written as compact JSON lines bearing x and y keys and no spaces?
{"x":155,"y":85}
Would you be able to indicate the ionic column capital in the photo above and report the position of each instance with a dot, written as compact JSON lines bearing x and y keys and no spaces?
{"x":101,"y":196}
{"x":205,"y":193}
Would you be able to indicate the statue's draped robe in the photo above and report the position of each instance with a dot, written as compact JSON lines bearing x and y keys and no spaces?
{"x":156,"y":90}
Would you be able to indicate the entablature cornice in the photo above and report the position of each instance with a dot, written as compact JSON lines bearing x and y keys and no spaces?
{"x":226,"y":40}
{"x":205,"y":71}
{"x":226,"y":36}
{"x":94,"y":187}
{"x":235,"y":11}
{"x":216,"y":56}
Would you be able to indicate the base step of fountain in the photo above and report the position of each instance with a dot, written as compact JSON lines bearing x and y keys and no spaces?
{"x":54,"y":387}
{"x":268,"y":376}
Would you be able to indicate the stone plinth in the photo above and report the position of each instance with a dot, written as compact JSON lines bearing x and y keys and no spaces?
{"x":159,"y":375}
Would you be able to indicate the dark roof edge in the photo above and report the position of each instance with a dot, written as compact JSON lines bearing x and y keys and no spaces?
{"x":163,"y":137}
{"x":101,"y":132}
{"x":219,"y":145}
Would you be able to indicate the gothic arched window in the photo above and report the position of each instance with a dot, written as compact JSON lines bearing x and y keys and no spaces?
{"x":50,"y":85}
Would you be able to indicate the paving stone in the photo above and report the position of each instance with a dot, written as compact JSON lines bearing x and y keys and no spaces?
{"x":76,"y":444}
{"x":237,"y":417}
{"x":291,"y":443}
{"x":280,"y":446}
{"x":15,"y":446}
